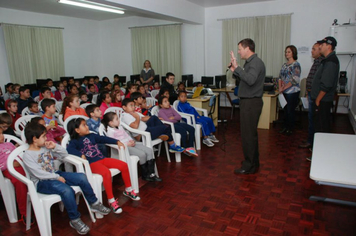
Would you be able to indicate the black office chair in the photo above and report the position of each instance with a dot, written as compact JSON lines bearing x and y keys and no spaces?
{"x":235,"y":101}
{"x":212,"y":106}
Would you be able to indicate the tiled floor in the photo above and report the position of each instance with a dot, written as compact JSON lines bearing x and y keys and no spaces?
{"x":202,"y":196}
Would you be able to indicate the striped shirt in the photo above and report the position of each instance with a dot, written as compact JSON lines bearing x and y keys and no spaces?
{"x":312,"y":71}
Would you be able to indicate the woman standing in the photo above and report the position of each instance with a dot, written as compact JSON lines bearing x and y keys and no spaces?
{"x":289,"y":78}
{"x":147,"y":73}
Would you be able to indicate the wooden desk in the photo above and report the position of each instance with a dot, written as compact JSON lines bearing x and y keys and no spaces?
{"x":203,"y":102}
{"x":269,"y":110}
{"x":333,"y":163}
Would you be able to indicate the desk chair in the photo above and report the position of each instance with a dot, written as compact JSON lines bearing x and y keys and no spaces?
{"x":235,"y":101}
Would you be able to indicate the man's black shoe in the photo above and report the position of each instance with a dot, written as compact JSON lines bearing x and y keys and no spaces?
{"x":243,"y":172}
{"x":283,"y":131}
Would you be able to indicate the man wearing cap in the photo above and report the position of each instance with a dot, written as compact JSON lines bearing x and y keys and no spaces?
{"x":324,"y":85}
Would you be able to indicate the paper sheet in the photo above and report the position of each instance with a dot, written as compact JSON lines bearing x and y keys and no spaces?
{"x":282,"y":100}
{"x":305,"y":102}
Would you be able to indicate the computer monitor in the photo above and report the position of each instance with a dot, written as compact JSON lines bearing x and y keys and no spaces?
{"x":188,"y":79}
{"x":269,"y":79}
{"x":122,"y":79}
{"x":134,"y":78}
{"x":163,"y":78}
{"x":66,"y":78}
{"x":220,"y":81}
{"x":207,"y":80}
{"x":156,"y":78}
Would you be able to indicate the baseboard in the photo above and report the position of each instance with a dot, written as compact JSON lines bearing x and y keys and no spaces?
{"x":352,"y":118}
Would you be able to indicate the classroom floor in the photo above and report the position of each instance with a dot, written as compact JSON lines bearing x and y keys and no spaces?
{"x":202,"y":196}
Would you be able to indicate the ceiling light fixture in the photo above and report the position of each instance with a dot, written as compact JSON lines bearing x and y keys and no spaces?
{"x":102,"y":7}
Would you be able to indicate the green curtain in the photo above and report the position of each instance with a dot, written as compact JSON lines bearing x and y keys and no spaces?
{"x":270,"y":33}
{"x":161,"y":45}
{"x":33,"y":53}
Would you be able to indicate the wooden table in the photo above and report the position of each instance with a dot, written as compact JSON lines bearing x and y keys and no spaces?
{"x":336,"y":98}
{"x":203,"y":102}
{"x":333,"y":163}
{"x":269,"y":110}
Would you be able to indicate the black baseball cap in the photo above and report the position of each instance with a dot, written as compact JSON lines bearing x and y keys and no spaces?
{"x":329,"y":40}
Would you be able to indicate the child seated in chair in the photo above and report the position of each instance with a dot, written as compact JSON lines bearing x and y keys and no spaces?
{"x":151,"y":124}
{"x":11,"y":108}
{"x":206,"y":123}
{"x":34,"y":109}
{"x":115,"y":130}
{"x":20,"y":188}
{"x":48,"y":105}
{"x":5,"y":124}
{"x":38,"y":159}
{"x":167,"y":113}
{"x":84,"y":144}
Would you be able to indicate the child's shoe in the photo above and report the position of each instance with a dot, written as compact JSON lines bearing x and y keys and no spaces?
{"x":213,"y":138}
{"x":132,"y":195}
{"x":79,"y":226}
{"x":191,"y":152}
{"x":99,"y":208}
{"x":175,"y":148}
{"x":208,"y":142}
{"x":115,"y":207}
{"x":163,"y":137}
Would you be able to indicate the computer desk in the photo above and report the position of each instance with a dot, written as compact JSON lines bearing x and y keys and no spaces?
{"x":203,"y":102}
{"x":269,"y":110}
{"x":333,"y":163}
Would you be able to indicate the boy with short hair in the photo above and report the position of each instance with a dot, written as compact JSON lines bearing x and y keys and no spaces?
{"x":45,"y":93}
{"x":9,"y":91}
{"x":206,"y":123}
{"x":15,"y":89}
{"x":94,"y":113}
{"x":48,"y":105}
{"x":83,"y":98}
{"x":168,"y":84}
{"x":12,"y":108}
{"x":24,"y":98}
{"x":49,"y":84}
{"x":137,"y":97}
{"x":148,"y":123}
{"x":34,"y":109}
{"x":38,"y":159}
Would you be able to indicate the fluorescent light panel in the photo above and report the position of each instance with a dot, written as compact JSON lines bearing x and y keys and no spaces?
{"x":86,"y":5}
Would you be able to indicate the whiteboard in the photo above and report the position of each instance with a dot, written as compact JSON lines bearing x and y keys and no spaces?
{"x":345,"y":36}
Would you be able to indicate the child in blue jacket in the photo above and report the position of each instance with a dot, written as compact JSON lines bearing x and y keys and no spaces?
{"x":206,"y":123}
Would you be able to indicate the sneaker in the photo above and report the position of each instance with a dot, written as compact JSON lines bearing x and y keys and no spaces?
{"x":213,"y":138}
{"x":309,"y":158}
{"x":191,"y":152}
{"x":163,"y":137}
{"x":175,"y":148}
{"x":100,"y":208}
{"x":208,"y":142}
{"x":132,"y":195}
{"x":115,"y":207}
{"x":79,"y":226}
{"x":23,"y":219}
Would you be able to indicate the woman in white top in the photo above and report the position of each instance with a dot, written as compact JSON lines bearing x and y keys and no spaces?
{"x":288,"y":84}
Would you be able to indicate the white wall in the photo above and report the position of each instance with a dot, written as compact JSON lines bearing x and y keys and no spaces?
{"x":115,"y":42}
{"x":311,"y":21}
{"x":80,"y":37}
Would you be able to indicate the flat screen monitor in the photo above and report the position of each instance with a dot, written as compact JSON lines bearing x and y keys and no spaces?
{"x":189,"y":79}
{"x":220,"y":81}
{"x":163,"y":78}
{"x":66,"y":78}
{"x":269,"y":79}
{"x":134,"y":78}
{"x":156,"y":78}
{"x":122,"y":79}
{"x":207,"y":80}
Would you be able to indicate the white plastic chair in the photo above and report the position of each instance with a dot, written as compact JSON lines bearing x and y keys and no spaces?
{"x":176,"y":137}
{"x":95,"y":180}
{"x":191,"y":121}
{"x":7,"y":188}
{"x":59,"y":106}
{"x":84,"y":105}
{"x":60,"y":119}
{"x":95,"y":98}
{"x":148,"y":142}
{"x":21,"y":123}
{"x":36,"y":99}
{"x":72,"y":118}
{"x":3,"y":111}
{"x":25,"y":111}
{"x":117,"y":110}
{"x":123,"y":155}
{"x":41,"y":202}
{"x":151,"y":101}
{"x":123,"y":90}
{"x":154,"y":93}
